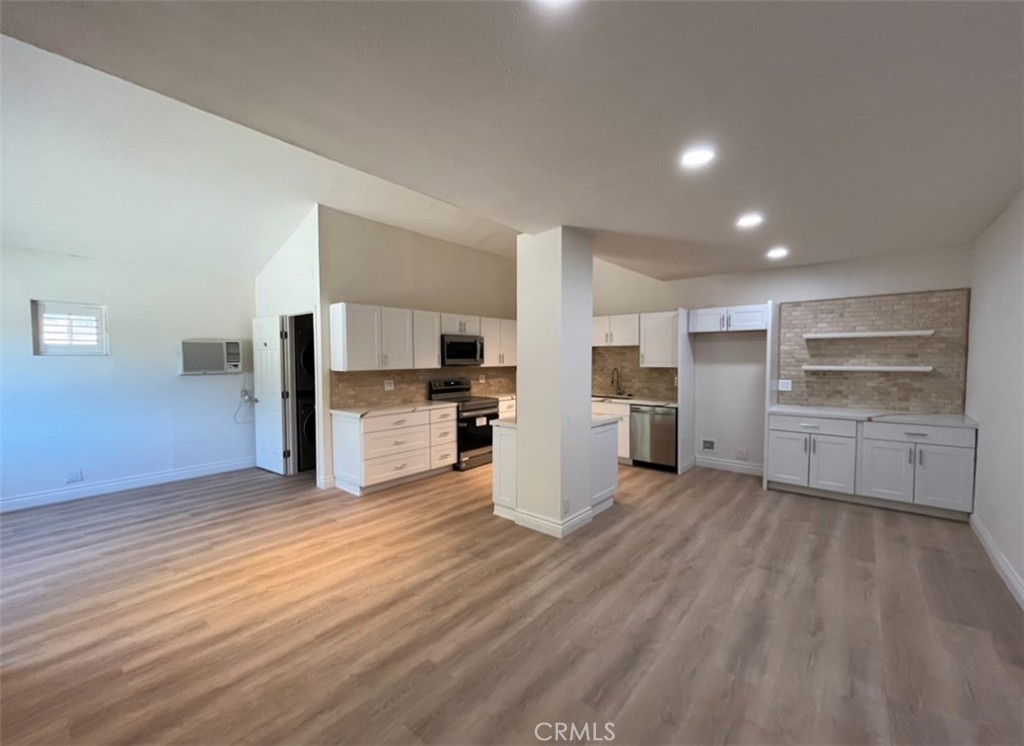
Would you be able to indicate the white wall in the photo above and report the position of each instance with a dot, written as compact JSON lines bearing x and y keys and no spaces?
{"x":618,"y":290}
{"x":362,"y":261}
{"x":729,"y":375}
{"x":995,"y":378}
{"x":287,"y":285}
{"x":126,"y":419}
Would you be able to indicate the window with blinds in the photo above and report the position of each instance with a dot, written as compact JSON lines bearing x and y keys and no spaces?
{"x":69,"y":328}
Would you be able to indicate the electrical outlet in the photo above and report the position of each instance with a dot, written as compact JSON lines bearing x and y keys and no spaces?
{"x":75,"y":475}
{"x":707,"y":445}
{"x":565,"y":506}
{"x":483,"y":378}
{"x":389,"y":385}
{"x":785,"y":384}
{"x":675,"y":380}
{"x":741,"y":454}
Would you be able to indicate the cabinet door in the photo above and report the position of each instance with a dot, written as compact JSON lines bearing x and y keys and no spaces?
{"x":490,"y":330}
{"x":509,"y":340}
{"x":886,"y":470}
{"x":604,"y":466}
{"x":788,"y":457}
{"x":944,"y":477}
{"x":602,"y":337}
{"x":833,"y":463}
{"x":396,"y":338}
{"x":659,"y":346}
{"x":426,"y":339}
{"x":504,"y":473}
{"x":355,"y":337}
{"x":624,"y":330}
{"x":451,"y":323}
{"x":471,"y":325}
{"x":707,"y":320}
{"x":746,"y":318}
{"x":624,"y":435}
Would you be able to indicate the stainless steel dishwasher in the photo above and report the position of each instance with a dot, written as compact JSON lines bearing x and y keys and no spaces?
{"x":652,"y":435}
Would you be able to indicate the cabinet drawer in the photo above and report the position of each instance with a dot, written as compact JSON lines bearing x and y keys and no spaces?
{"x":374,"y":423}
{"x":447,"y":414}
{"x":941,"y":436}
{"x":377,"y":470}
{"x":442,"y":432}
{"x":400,"y":440}
{"x":443,"y":455}
{"x":812,"y":425}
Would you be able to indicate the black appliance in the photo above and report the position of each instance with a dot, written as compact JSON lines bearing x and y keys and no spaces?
{"x":475,"y":415}
{"x":462,"y":349}
{"x":304,"y":364}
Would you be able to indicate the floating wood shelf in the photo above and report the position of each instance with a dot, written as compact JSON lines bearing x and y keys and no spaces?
{"x":871,"y":368}
{"x":870,"y":335}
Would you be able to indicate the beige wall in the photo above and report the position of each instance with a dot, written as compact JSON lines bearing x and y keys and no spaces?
{"x":995,"y":379}
{"x":618,"y":290}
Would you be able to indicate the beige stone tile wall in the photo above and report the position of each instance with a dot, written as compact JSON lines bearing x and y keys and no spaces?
{"x":942,"y":390}
{"x":366,"y":389}
{"x":644,"y":383}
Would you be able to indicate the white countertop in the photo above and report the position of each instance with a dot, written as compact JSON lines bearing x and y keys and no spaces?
{"x":875,"y":415}
{"x":599,"y":421}
{"x":643,"y":402}
{"x":398,"y":409}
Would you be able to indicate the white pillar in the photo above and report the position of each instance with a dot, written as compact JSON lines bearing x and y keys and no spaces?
{"x":555,"y":292}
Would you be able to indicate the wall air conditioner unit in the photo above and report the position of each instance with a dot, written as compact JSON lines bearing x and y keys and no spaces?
{"x":206,"y":356}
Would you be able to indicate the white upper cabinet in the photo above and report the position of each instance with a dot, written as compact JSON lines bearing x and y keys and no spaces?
{"x":659,"y":339}
{"x":452,"y":323}
{"x":729,"y":319}
{"x":499,"y":342}
{"x":355,"y":337}
{"x":370,"y":337}
{"x":396,"y":338}
{"x":426,"y":339}
{"x":620,"y":330}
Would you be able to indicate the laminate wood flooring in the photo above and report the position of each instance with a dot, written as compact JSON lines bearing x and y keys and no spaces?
{"x":251,"y":608}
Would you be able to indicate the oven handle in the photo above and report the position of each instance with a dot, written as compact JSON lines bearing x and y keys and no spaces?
{"x":464,"y":418}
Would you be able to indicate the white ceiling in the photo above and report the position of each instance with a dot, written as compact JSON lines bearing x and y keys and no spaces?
{"x":859,"y":128}
{"x":94,"y":166}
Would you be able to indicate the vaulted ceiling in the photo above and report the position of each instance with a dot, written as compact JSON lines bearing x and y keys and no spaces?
{"x":857,"y":128}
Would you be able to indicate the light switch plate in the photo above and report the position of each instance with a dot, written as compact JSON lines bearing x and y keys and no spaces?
{"x":785,"y":384}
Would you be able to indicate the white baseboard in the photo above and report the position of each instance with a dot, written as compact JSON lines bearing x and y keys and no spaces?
{"x":725,"y":464}
{"x":1006,"y":571}
{"x":687,"y":465}
{"x":558,"y":529}
{"x":324,"y":481}
{"x":64,"y":494}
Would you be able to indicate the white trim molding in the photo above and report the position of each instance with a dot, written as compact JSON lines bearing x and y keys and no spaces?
{"x":65,"y":494}
{"x":558,"y":529}
{"x":725,"y":464}
{"x":1006,"y":571}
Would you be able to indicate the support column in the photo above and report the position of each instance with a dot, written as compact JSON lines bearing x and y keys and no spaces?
{"x":555,"y":301}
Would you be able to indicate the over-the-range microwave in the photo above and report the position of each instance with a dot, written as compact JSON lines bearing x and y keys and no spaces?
{"x":462,"y":349}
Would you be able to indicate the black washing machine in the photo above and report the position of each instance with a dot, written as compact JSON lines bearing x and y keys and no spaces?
{"x":306,"y":434}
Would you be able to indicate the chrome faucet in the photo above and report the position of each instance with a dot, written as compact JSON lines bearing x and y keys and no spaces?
{"x":616,"y":383}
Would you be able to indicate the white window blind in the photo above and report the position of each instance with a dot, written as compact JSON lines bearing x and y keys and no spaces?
{"x":69,"y":328}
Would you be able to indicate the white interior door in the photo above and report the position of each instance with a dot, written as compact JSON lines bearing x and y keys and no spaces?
{"x":268,"y":377}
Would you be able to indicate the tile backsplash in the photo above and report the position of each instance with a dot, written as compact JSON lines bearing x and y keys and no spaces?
{"x":644,"y":383}
{"x":366,"y":388}
{"x":941,"y":390}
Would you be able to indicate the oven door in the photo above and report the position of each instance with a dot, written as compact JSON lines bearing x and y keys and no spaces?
{"x":476,"y":438}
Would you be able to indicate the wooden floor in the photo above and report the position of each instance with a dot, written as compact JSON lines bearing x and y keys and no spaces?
{"x":247,"y":607}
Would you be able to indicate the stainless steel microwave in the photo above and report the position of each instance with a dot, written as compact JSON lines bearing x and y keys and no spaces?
{"x":462,"y":349}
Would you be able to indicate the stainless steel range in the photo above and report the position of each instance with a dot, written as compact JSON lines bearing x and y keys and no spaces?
{"x":475,"y":415}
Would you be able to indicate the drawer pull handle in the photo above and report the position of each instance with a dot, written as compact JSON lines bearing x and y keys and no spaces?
{"x":810,"y":427}
{"x":399,"y":442}
{"x":916,"y":435}
{"x":399,"y":422}
{"x":400,"y":467}
{"x":805,"y":445}
{"x":445,"y":434}
{"x":814,"y":445}
{"x":910,"y":455}
{"x":445,"y":457}
{"x":920,"y":458}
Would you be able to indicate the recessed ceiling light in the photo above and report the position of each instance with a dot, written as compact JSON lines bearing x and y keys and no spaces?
{"x":777,"y":252}
{"x":555,"y":3}
{"x":749,"y":220}
{"x":697,"y":156}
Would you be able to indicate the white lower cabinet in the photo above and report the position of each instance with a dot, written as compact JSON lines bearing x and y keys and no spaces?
{"x":799,"y":454}
{"x":506,"y":407}
{"x":886,"y":470}
{"x":944,"y":477}
{"x":610,"y":409}
{"x":376,"y":448}
{"x":833,"y":463}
